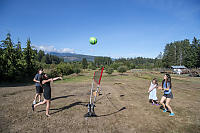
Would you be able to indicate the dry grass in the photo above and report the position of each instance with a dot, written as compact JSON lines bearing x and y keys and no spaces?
{"x":71,"y":95}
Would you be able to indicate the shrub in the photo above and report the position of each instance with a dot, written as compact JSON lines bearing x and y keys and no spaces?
{"x":122,"y":69}
{"x":92,"y":67}
{"x":64,"y":68}
{"x":109,"y":70}
{"x":77,"y":70}
{"x":114,"y":65}
{"x":54,"y":73}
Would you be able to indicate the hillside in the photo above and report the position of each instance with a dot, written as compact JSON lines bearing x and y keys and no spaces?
{"x":68,"y":57}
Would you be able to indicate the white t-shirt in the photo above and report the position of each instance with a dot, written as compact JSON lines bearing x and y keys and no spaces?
{"x":152,"y":94}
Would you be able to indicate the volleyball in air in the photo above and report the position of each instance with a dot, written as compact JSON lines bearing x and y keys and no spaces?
{"x":93,"y":40}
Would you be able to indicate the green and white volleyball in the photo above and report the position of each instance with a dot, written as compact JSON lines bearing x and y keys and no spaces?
{"x":93,"y":40}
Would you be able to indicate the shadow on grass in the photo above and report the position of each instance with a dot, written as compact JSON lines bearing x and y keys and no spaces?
{"x":123,"y":74}
{"x":55,"y":98}
{"x":68,"y":107}
{"x":57,"y":110}
{"x":12,"y":84}
{"x":102,"y":97}
{"x":123,"y":108}
{"x":110,"y":75}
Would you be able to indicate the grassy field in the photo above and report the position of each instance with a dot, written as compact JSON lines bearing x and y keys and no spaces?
{"x":123,"y":106}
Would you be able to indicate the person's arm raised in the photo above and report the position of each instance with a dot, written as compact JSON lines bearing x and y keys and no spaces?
{"x":57,"y":78}
{"x":45,"y":81}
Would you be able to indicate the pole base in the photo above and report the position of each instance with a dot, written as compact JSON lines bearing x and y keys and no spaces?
{"x":90,"y":114}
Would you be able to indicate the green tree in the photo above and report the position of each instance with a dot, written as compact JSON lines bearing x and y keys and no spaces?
{"x":84,"y":63}
{"x":132,"y":66}
{"x":65,"y":68}
{"x":8,"y":57}
{"x":20,"y":62}
{"x":92,"y":66}
{"x":102,"y":61}
{"x":115,"y":65}
{"x":195,"y":48}
{"x":40,"y":55}
{"x":43,"y":60}
{"x":122,"y":69}
{"x":168,"y":57}
{"x":109,"y":70}
{"x":188,"y":58}
{"x":198,"y":53}
{"x":77,"y":70}
{"x":48,"y":59}
{"x":30,"y":58}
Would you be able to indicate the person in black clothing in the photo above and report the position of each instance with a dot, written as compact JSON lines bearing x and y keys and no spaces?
{"x":45,"y":81}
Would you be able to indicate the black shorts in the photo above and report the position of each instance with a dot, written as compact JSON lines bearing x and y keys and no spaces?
{"x":170,"y":95}
{"x":47,"y":96}
{"x":39,"y":89}
{"x":47,"y":93}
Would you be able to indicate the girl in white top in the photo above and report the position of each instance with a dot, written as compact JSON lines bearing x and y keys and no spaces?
{"x":152,"y":92}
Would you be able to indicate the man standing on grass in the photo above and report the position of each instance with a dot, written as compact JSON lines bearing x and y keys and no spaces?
{"x":39,"y":89}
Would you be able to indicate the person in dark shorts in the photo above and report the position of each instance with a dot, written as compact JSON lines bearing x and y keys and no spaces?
{"x":166,"y":86}
{"x":45,"y":81}
{"x":39,"y":89}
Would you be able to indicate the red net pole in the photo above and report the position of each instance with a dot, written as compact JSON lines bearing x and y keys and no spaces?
{"x":94,"y":75}
{"x":101,"y":75}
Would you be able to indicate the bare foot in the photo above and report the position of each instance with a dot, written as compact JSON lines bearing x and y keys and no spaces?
{"x":47,"y":115}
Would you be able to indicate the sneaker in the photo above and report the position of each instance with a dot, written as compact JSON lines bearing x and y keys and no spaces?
{"x":32,"y":107}
{"x":34,"y":102}
{"x":171,"y":114}
{"x":164,"y":110}
{"x":157,"y":104}
{"x":153,"y":103}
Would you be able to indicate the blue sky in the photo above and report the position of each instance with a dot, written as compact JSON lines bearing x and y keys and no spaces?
{"x":124,"y":28}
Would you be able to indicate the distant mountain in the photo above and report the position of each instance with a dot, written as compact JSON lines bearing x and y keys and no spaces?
{"x":69,"y":57}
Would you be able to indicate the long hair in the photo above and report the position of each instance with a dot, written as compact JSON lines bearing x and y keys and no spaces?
{"x":168,"y":80}
{"x":156,"y":81}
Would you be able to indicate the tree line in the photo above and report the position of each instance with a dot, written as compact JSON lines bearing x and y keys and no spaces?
{"x":182,"y":53}
{"x":15,"y":61}
{"x":178,"y":53}
{"x":47,"y":58}
{"x":19,"y":63}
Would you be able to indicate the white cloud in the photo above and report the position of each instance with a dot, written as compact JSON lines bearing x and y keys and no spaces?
{"x":51,"y":48}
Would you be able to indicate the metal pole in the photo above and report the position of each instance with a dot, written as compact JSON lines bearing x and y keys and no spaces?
{"x":96,"y":93}
{"x":91,"y":92}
